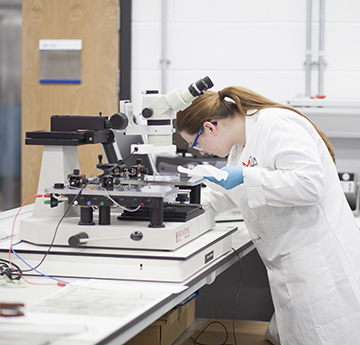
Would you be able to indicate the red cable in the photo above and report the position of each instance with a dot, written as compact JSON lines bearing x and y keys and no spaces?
{"x":12,"y":235}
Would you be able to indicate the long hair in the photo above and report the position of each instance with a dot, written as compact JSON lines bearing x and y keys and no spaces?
{"x":213,"y":106}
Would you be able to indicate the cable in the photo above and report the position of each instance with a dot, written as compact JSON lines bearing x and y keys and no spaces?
{"x":32,"y":268}
{"x":226,"y":333}
{"x":237,"y":294}
{"x":56,"y":229}
{"x":117,"y":204}
{"x":13,"y":226}
{"x":60,"y":221}
{"x":5,"y":269}
{"x":11,"y":249}
{"x":18,"y":270}
{"x":135,"y":150}
{"x":7,"y":262}
{"x":234,"y":313}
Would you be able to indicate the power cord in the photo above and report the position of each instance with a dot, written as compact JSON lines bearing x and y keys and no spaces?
{"x":211,"y":323}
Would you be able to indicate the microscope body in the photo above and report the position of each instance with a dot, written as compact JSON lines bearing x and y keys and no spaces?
{"x":159,"y":111}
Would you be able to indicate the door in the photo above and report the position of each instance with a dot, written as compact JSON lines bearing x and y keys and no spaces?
{"x":95,"y":23}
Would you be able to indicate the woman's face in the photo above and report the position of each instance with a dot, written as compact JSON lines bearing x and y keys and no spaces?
{"x":212,"y":139}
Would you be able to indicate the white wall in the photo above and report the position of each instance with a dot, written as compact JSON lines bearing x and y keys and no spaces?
{"x":258,"y":44}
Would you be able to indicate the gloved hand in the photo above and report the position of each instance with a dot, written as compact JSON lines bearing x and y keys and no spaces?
{"x":235,"y":177}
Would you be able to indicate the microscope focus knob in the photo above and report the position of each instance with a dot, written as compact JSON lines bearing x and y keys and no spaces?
{"x":147,"y":113}
{"x":118,"y":121}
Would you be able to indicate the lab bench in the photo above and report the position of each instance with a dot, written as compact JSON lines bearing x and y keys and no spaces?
{"x":101,"y":311}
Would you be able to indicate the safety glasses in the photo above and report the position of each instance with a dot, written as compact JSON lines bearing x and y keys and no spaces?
{"x":195,"y":145}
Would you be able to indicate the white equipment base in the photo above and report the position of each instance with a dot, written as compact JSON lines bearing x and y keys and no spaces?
{"x":41,"y":230}
{"x":147,"y":265}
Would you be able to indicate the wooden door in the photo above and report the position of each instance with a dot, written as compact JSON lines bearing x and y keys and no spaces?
{"x":95,"y":22}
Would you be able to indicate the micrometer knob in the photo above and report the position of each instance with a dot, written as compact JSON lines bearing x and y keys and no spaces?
{"x":119,"y":121}
{"x":147,"y":112}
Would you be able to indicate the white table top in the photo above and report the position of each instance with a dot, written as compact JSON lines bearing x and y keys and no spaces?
{"x":99,"y":311}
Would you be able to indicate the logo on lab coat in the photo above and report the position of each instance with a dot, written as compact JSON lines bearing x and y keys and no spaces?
{"x":252,"y":162}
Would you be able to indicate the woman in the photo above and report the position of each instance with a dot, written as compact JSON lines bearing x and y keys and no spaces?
{"x":282,"y":175}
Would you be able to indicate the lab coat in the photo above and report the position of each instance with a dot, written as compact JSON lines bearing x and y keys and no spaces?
{"x":300,"y":222}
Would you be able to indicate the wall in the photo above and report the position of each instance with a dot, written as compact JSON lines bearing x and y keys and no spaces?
{"x":258,"y":44}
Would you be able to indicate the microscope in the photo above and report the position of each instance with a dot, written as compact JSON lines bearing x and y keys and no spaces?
{"x":122,"y":212}
{"x":158,"y":111}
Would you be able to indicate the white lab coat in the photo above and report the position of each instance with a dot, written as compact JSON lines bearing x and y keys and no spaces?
{"x":299,"y":220}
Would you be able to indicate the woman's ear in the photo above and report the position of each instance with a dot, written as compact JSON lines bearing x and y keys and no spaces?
{"x":211,"y":127}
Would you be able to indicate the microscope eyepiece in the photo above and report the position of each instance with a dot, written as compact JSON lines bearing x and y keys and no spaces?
{"x":198,"y":88}
{"x":204,"y":84}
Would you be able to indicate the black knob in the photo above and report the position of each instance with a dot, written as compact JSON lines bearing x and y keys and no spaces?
{"x":118,"y":121}
{"x":147,"y":113}
{"x":74,"y":241}
{"x":136,"y":236}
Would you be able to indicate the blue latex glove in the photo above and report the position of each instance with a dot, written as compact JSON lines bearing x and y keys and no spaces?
{"x":235,"y":177}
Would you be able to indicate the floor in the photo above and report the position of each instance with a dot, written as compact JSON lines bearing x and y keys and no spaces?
{"x":221,"y":332}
